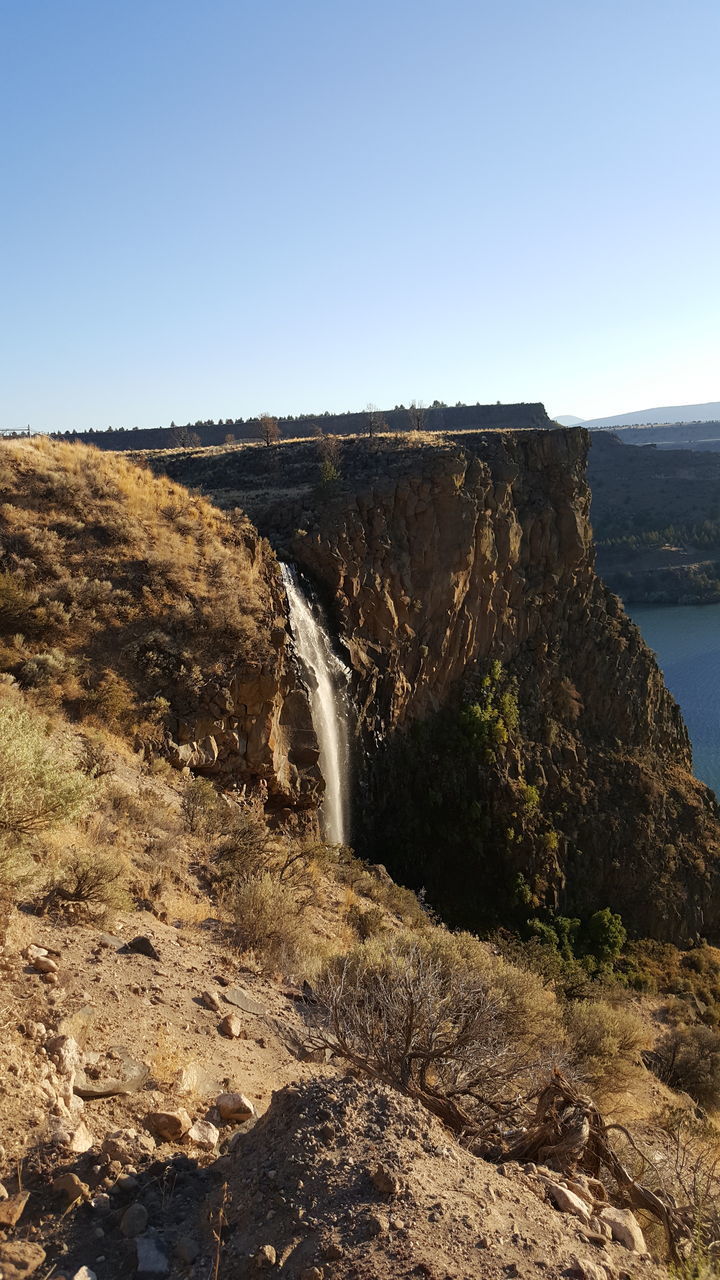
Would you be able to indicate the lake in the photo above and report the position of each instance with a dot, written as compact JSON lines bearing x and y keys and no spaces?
{"x":686,"y":641}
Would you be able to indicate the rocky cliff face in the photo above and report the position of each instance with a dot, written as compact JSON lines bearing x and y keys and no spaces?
{"x":443,"y":556}
{"x":252,"y":726}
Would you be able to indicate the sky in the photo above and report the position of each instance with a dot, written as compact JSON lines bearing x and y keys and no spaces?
{"x":211,"y":210}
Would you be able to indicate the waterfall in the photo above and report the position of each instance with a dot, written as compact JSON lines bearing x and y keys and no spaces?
{"x":326,"y":678}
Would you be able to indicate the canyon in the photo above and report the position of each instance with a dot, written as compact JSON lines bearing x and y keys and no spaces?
{"x":439,"y":556}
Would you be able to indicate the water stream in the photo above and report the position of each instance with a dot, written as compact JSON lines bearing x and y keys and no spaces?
{"x":326,"y":678}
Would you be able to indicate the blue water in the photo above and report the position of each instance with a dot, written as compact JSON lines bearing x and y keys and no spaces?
{"x":686,"y":641}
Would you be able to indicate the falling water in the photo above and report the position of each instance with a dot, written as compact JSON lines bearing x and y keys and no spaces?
{"x":326,"y":678}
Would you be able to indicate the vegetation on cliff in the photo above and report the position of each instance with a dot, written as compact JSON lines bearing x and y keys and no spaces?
{"x":121,"y":594}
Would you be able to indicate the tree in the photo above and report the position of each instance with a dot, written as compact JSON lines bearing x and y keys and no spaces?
{"x":329,"y":450}
{"x":183,"y":438}
{"x":416,"y":415}
{"x":375,"y":421}
{"x":268,"y":429}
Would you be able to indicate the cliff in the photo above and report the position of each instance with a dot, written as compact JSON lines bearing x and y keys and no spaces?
{"x":559,"y":781}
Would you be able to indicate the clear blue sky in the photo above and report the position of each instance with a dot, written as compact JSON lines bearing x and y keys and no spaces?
{"x":215,"y":208}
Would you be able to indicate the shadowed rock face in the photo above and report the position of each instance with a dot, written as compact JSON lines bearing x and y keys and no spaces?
{"x":441,"y":555}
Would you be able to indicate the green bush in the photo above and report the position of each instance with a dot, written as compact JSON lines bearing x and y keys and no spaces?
{"x":202,"y":808}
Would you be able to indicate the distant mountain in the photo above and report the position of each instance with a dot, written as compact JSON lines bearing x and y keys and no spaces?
{"x":569,"y":420}
{"x":709,"y":412}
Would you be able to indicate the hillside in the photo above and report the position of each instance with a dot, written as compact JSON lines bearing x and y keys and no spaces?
{"x":230,"y":1049}
{"x":709,"y":411}
{"x":130,"y":602}
{"x":656,"y":520}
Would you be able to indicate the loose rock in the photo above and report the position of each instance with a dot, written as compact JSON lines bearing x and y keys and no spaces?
{"x":385,"y":1182}
{"x":265,"y":1258}
{"x":142,"y":946}
{"x":211,"y":1000}
{"x":231,"y":1026}
{"x":624,"y":1227}
{"x":151,"y":1258}
{"x":70,"y":1186}
{"x":568,"y":1202}
{"x":234,"y":1107}
{"x":168,"y":1125}
{"x":20,"y":1259}
{"x":134,"y":1220}
{"x":127,"y":1146}
{"x":11,"y":1210}
{"x":204,"y":1134}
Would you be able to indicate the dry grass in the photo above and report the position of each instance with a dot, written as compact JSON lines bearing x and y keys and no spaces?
{"x":121,"y":592}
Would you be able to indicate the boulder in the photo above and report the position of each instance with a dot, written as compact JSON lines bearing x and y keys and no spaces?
{"x":204,"y":1134}
{"x":234,"y":1107}
{"x":231,"y":1026}
{"x":568,"y":1202}
{"x":168,"y":1125}
{"x":624,"y":1227}
{"x":134,"y":1220}
{"x":19,"y":1259}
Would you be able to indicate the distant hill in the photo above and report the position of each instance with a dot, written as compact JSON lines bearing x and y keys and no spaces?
{"x":667,"y":413}
{"x":569,"y":420}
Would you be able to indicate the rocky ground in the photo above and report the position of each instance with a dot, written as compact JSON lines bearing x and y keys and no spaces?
{"x":135,"y":1066}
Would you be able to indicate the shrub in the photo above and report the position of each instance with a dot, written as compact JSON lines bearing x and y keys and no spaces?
{"x":689,"y":1059}
{"x":366,"y":922}
{"x":88,"y":885}
{"x":268,"y":920}
{"x":606,"y":935}
{"x":246,"y":850}
{"x":436,"y":1016}
{"x":606,"y":1040}
{"x":40,"y":783}
{"x":202,"y":808}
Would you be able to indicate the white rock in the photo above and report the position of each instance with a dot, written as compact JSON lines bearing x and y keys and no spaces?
{"x":84,"y":1274}
{"x":75,"y":1136}
{"x":34,"y":953}
{"x":624,"y":1227}
{"x":204,"y":1134}
{"x":567,"y":1202}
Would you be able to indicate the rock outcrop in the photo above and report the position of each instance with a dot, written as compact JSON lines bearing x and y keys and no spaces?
{"x":255,"y":728}
{"x":441,"y":557}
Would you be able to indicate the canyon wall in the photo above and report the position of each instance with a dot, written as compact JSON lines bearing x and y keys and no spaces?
{"x":442,"y":556}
